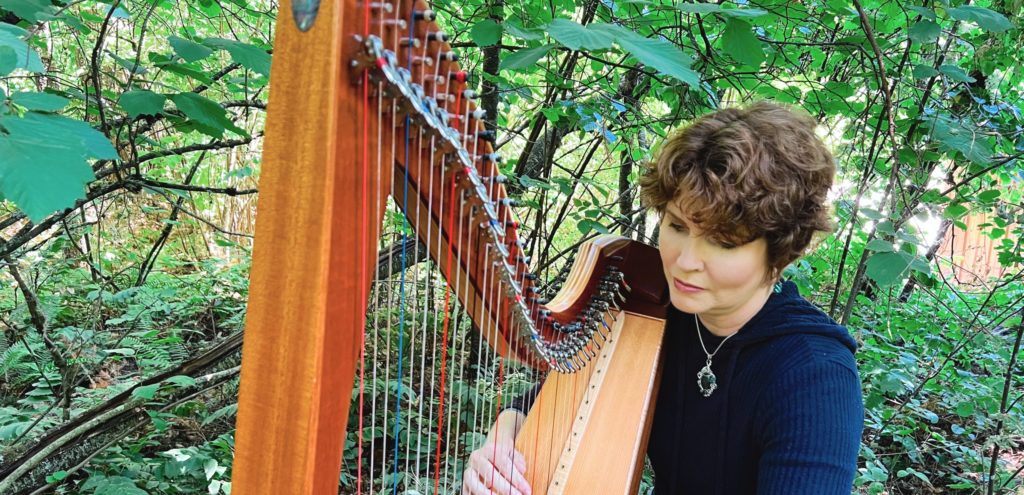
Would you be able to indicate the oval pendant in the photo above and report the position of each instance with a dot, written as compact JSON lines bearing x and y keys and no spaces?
{"x":707,"y":382}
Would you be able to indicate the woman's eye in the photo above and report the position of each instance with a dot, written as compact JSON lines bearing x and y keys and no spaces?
{"x":677,"y":227}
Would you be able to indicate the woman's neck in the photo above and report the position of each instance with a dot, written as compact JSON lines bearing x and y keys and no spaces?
{"x":724,"y":325}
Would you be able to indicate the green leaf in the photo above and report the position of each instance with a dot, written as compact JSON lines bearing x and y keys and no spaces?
{"x":922,"y":71}
{"x":122,"y":351}
{"x":881,"y":246}
{"x":586,"y":225}
{"x":486,"y":32}
{"x":965,"y":408}
{"x":229,"y":410}
{"x":43,"y":102}
{"x":211,"y":118}
{"x":118,"y":485}
{"x":955,"y":211}
{"x":27,"y":58}
{"x":42,"y":127}
{"x":888,"y":268}
{"x":924,"y":32}
{"x":552,"y":114}
{"x":988,"y":20}
{"x":659,"y":53}
{"x":251,"y":57}
{"x":142,"y":102}
{"x":41,"y":174}
{"x":8,"y":60}
{"x":955,"y":73}
{"x":524,"y":58}
{"x":871,"y":213}
{"x":739,"y":42}
{"x":146,"y":392}
{"x":42,"y":177}
{"x":886,"y":227}
{"x":517,"y":31}
{"x":924,"y":12}
{"x":74,"y":22}
{"x":189,"y":51}
{"x":699,"y":8}
{"x":955,"y":136}
{"x":989,"y":195}
{"x":181,"y":380}
{"x":30,"y":10}
{"x":129,"y":65}
{"x":743,"y":13}
{"x":576,"y":37}
{"x":119,"y":13}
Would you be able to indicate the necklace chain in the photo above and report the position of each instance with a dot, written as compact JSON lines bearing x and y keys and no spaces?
{"x":711,"y":354}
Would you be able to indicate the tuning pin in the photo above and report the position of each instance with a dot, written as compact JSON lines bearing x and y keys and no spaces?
{"x":405,"y":42}
{"x":469,"y":94}
{"x":488,"y":136}
{"x":478,"y":114}
{"x":385,"y":6}
{"x":437,"y":36}
{"x":424,"y":15}
{"x":511,"y":224}
{"x":449,"y":56}
{"x":489,"y":157}
{"x":422,"y":60}
{"x":459,"y":76}
{"x":398,"y":23}
{"x":509,"y":202}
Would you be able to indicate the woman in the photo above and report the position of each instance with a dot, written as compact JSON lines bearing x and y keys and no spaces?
{"x":762,"y":395}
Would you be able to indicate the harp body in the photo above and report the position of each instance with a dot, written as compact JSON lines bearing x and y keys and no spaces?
{"x":322,"y":204}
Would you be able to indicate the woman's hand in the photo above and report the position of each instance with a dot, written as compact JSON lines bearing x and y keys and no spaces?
{"x":495,"y":468}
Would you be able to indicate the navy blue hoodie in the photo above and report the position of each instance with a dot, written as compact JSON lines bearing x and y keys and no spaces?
{"x":787,"y":415}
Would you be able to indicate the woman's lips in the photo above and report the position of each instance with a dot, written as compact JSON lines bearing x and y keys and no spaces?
{"x":685,"y":287}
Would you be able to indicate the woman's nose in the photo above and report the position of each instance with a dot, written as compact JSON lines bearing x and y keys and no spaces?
{"x":689,"y":259}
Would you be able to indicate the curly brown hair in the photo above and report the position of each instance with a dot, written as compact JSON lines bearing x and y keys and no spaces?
{"x":740,"y":174}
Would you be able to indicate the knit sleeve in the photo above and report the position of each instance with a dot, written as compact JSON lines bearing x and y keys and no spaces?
{"x":812,"y":418}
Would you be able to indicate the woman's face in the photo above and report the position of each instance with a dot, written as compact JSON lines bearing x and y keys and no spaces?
{"x":723,"y":284}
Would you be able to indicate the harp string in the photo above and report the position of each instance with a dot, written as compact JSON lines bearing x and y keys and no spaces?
{"x":406,"y":141}
{"x":432,"y":162}
{"x":448,"y":395}
{"x":416,"y":312}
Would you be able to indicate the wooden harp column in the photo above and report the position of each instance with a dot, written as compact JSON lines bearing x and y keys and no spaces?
{"x":320,"y":215}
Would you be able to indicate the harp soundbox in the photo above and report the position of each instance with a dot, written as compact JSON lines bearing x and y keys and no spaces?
{"x":372,"y":360}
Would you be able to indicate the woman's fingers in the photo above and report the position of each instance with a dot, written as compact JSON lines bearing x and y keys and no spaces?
{"x":501,"y":479}
{"x":512,"y":465}
{"x":473,"y":485}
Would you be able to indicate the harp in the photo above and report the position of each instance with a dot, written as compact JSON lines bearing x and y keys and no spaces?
{"x":371,"y":130}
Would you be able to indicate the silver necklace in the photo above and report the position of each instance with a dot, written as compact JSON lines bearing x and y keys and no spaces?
{"x":707,"y":382}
